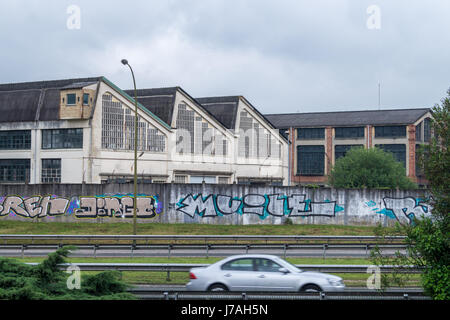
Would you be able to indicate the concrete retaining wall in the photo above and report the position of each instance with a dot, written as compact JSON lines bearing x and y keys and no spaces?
{"x":210,"y":203}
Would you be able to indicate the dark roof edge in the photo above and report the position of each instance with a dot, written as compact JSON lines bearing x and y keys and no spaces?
{"x":342,"y":111}
{"x":38,"y":85}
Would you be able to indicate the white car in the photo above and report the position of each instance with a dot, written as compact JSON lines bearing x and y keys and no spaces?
{"x":252,"y":272}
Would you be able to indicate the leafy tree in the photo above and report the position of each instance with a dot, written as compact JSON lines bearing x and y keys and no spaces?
{"x":19,"y":281}
{"x":369,"y":168}
{"x":428,"y":238}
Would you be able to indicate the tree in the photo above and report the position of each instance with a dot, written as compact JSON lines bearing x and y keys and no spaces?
{"x":428,"y":238}
{"x":19,"y":281}
{"x":369,"y":168}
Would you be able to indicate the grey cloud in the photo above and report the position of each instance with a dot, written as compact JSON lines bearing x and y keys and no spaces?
{"x":284,"y":56}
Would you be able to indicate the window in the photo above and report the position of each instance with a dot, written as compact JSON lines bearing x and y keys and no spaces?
{"x":202,"y":179}
{"x":15,"y":139}
{"x":427,"y":130}
{"x":62,"y":138}
{"x":398,"y":150}
{"x":349,"y":132}
{"x":390,"y":131}
{"x":224,"y":180}
{"x":266,"y":265}
{"x":341,"y":150}
{"x":180,"y":179}
{"x":51,"y":171}
{"x":14,"y":170}
{"x":419,"y":132}
{"x":239,"y":265}
{"x":310,"y":133}
{"x":71,"y":98}
{"x":310,"y":160}
{"x":85,"y":99}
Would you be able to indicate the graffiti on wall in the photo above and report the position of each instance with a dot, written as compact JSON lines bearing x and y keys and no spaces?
{"x":277,"y":205}
{"x":117,"y":205}
{"x":403,"y":209}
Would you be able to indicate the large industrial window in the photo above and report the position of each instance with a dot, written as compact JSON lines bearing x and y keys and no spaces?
{"x":62,"y":138}
{"x":15,"y":139}
{"x":310,"y":133}
{"x":349,"y":132}
{"x":118,"y":129}
{"x":14,"y":170}
{"x":341,"y":150}
{"x":390,"y":131}
{"x":419,"y":132}
{"x":310,"y":160}
{"x":427,"y":130}
{"x":398,"y":150}
{"x":255,"y":141}
{"x":51,"y":171}
{"x":195,"y":135}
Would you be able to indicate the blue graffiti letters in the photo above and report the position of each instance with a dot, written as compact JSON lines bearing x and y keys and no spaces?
{"x":407,"y":208}
{"x":277,"y":205}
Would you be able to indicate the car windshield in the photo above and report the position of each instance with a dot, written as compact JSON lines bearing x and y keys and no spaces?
{"x":293,"y":267}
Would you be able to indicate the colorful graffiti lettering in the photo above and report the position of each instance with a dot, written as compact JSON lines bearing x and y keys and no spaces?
{"x":278,"y":205}
{"x":405,"y":209}
{"x":118,"y":205}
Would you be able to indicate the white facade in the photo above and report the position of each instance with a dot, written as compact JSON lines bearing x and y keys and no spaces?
{"x":164,"y":154}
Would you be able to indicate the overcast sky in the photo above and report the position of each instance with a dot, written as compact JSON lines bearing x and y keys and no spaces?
{"x":283,"y":56}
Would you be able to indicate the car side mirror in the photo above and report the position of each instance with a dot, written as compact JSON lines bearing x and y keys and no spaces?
{"x":283,"y":270}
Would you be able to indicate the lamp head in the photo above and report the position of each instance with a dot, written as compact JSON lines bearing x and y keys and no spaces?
{"x":124,"y":62}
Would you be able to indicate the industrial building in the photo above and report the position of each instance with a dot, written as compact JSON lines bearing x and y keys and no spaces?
{"x":318,"y":139}
{"x":82,"y":131}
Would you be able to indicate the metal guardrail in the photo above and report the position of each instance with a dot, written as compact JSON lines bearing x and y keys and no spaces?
{"x":205,"y":238}
{"x":183,"y":267}
{"x":208,"y":242}
{"x":167,"y":295}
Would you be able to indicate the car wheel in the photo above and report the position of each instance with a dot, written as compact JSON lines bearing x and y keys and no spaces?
{"x":311,"y":288}
{"x":217,"y":287}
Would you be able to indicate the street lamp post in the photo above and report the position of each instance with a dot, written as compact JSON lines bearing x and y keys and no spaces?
{"x":125,"y":62}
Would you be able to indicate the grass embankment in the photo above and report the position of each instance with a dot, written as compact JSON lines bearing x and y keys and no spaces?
{"x":37,"y":227}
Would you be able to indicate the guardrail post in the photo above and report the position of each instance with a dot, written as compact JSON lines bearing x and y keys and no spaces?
{"x":244,"y":296}
{"x":208,"y":246}
{"x":133,"y":246}
{"x":325,"y":247}
{"x":367,"y":249}
{"x":285,"y":246}
{"x":322,"y":296}
{"x":168,"y":275}
{"x":247,"y":246}
{"x":23,"y":249}
{"x":166,"y":296}
{"x":169,"y":249}
{"x":95,"y":250}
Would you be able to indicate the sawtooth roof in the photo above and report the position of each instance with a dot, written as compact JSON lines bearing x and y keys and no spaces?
{"x":223,"y":108}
